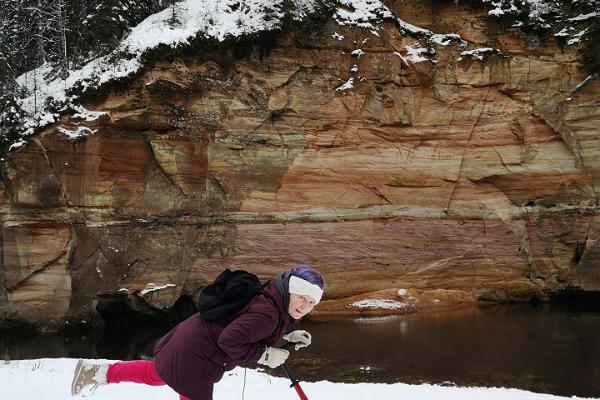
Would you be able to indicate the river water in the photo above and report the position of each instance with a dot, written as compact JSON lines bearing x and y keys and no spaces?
{"x":538,"y":348}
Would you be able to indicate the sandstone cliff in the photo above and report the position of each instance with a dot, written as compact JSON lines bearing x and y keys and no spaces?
{"x":455,"y":177}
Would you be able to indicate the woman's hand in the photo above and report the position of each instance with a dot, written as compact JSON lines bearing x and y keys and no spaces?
{"x":273,"y":357}
{"x":299,"y":338}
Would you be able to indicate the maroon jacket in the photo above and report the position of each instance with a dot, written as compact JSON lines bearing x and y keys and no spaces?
{"x":195,"y":354}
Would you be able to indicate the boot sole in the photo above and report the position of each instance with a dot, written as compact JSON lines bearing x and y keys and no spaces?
{"x":78,"y":368}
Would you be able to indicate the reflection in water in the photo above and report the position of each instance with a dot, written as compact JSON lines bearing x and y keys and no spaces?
{"x":129,"y":344}
{"x":534,"y":348}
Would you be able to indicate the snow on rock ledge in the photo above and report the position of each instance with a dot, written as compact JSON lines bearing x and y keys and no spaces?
{"x":396,"y":302}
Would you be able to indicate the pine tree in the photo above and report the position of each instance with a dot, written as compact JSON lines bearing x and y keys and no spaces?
{"x":76,"y":13}
{"x":11,"y":116}
{"x":140,"y":10}
{"x":17,"y":39}
{"x":39,"y":14}
{"x":109,"y":20}
{"x":175,"y":9}
{"x":10,"y":110}
{"x":105,"y":25}
{"x":61,"y":16}
{"x":8,"y":40}
{"x":591,"y":49}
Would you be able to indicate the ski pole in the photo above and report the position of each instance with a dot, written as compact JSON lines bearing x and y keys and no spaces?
{"x":295,"y":383}
{"x":288,"y":372}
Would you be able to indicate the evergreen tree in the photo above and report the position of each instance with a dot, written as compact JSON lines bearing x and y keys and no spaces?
{"x":17,"y":39}
{"x":39,"y":18}
{"x":66,"y":33}
{"x":109,"y":20}
{"x":11,"y":116}
{"x":140,"y":10}
{"x":175,"y":12}
{"x":591,"y":49}
{"x":105,"y":24}
{"x":60,"y":58}
{"x":9,"y":38}
{"x":76,"y":13}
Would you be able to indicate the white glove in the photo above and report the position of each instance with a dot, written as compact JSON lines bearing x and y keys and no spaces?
{"x":299,"y":338}
{"x":273,"y":357}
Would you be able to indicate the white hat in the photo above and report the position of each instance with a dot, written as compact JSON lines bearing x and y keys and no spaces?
{"x":304,"y":288}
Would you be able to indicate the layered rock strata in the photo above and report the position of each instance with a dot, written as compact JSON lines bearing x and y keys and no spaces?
{"x":477,"y":178}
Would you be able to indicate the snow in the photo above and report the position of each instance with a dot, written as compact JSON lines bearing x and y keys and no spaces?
{"x":412,"y":28}
{"x":151,"y":287}
{"x":583,"y":17}
{"x":478,"y":53}
{"x":50,"y":379}
{"x":583,"y":83}
{"x":362,"y":13}
{"x":577,"y":37}
{"x":371,"y":14}
{"x":540,"y":11}
{"x":80,"y":131}
{"x":445,"y":40}
{"x":413,"y":54}
{"x":379,"y":304}
{"x":87,"y":115}
{"x":402,"y":292}
{"x":349,"y":84}
{"x":536,"y":7}
{"x":357,"y":53}
{"x":17,"y":145}
{"x":496,"y":11}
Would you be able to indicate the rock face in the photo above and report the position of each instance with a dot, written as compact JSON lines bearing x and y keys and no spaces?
{"x":474,"y":177}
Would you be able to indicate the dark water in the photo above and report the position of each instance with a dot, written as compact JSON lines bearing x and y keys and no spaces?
{"x":539,"y":348}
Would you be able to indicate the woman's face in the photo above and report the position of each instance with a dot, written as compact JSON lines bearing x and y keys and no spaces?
{"x":300,"y":305}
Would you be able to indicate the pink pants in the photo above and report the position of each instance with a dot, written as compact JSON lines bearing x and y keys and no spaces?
{"x":140,"y":371}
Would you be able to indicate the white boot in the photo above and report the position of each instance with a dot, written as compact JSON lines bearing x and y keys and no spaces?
{"x":88,"y":376}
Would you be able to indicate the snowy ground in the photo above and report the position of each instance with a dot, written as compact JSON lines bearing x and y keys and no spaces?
{"x":46,"y":379}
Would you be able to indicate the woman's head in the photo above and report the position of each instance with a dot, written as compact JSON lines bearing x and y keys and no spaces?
{"x":306,"y":289}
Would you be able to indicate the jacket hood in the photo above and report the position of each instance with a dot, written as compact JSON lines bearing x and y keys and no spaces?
{"x":283,"y":284}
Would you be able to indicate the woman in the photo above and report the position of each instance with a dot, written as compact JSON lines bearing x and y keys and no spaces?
{"x":195,"y":354}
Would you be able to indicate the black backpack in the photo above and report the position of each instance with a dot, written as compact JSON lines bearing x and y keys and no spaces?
{"x":230,"y":292}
